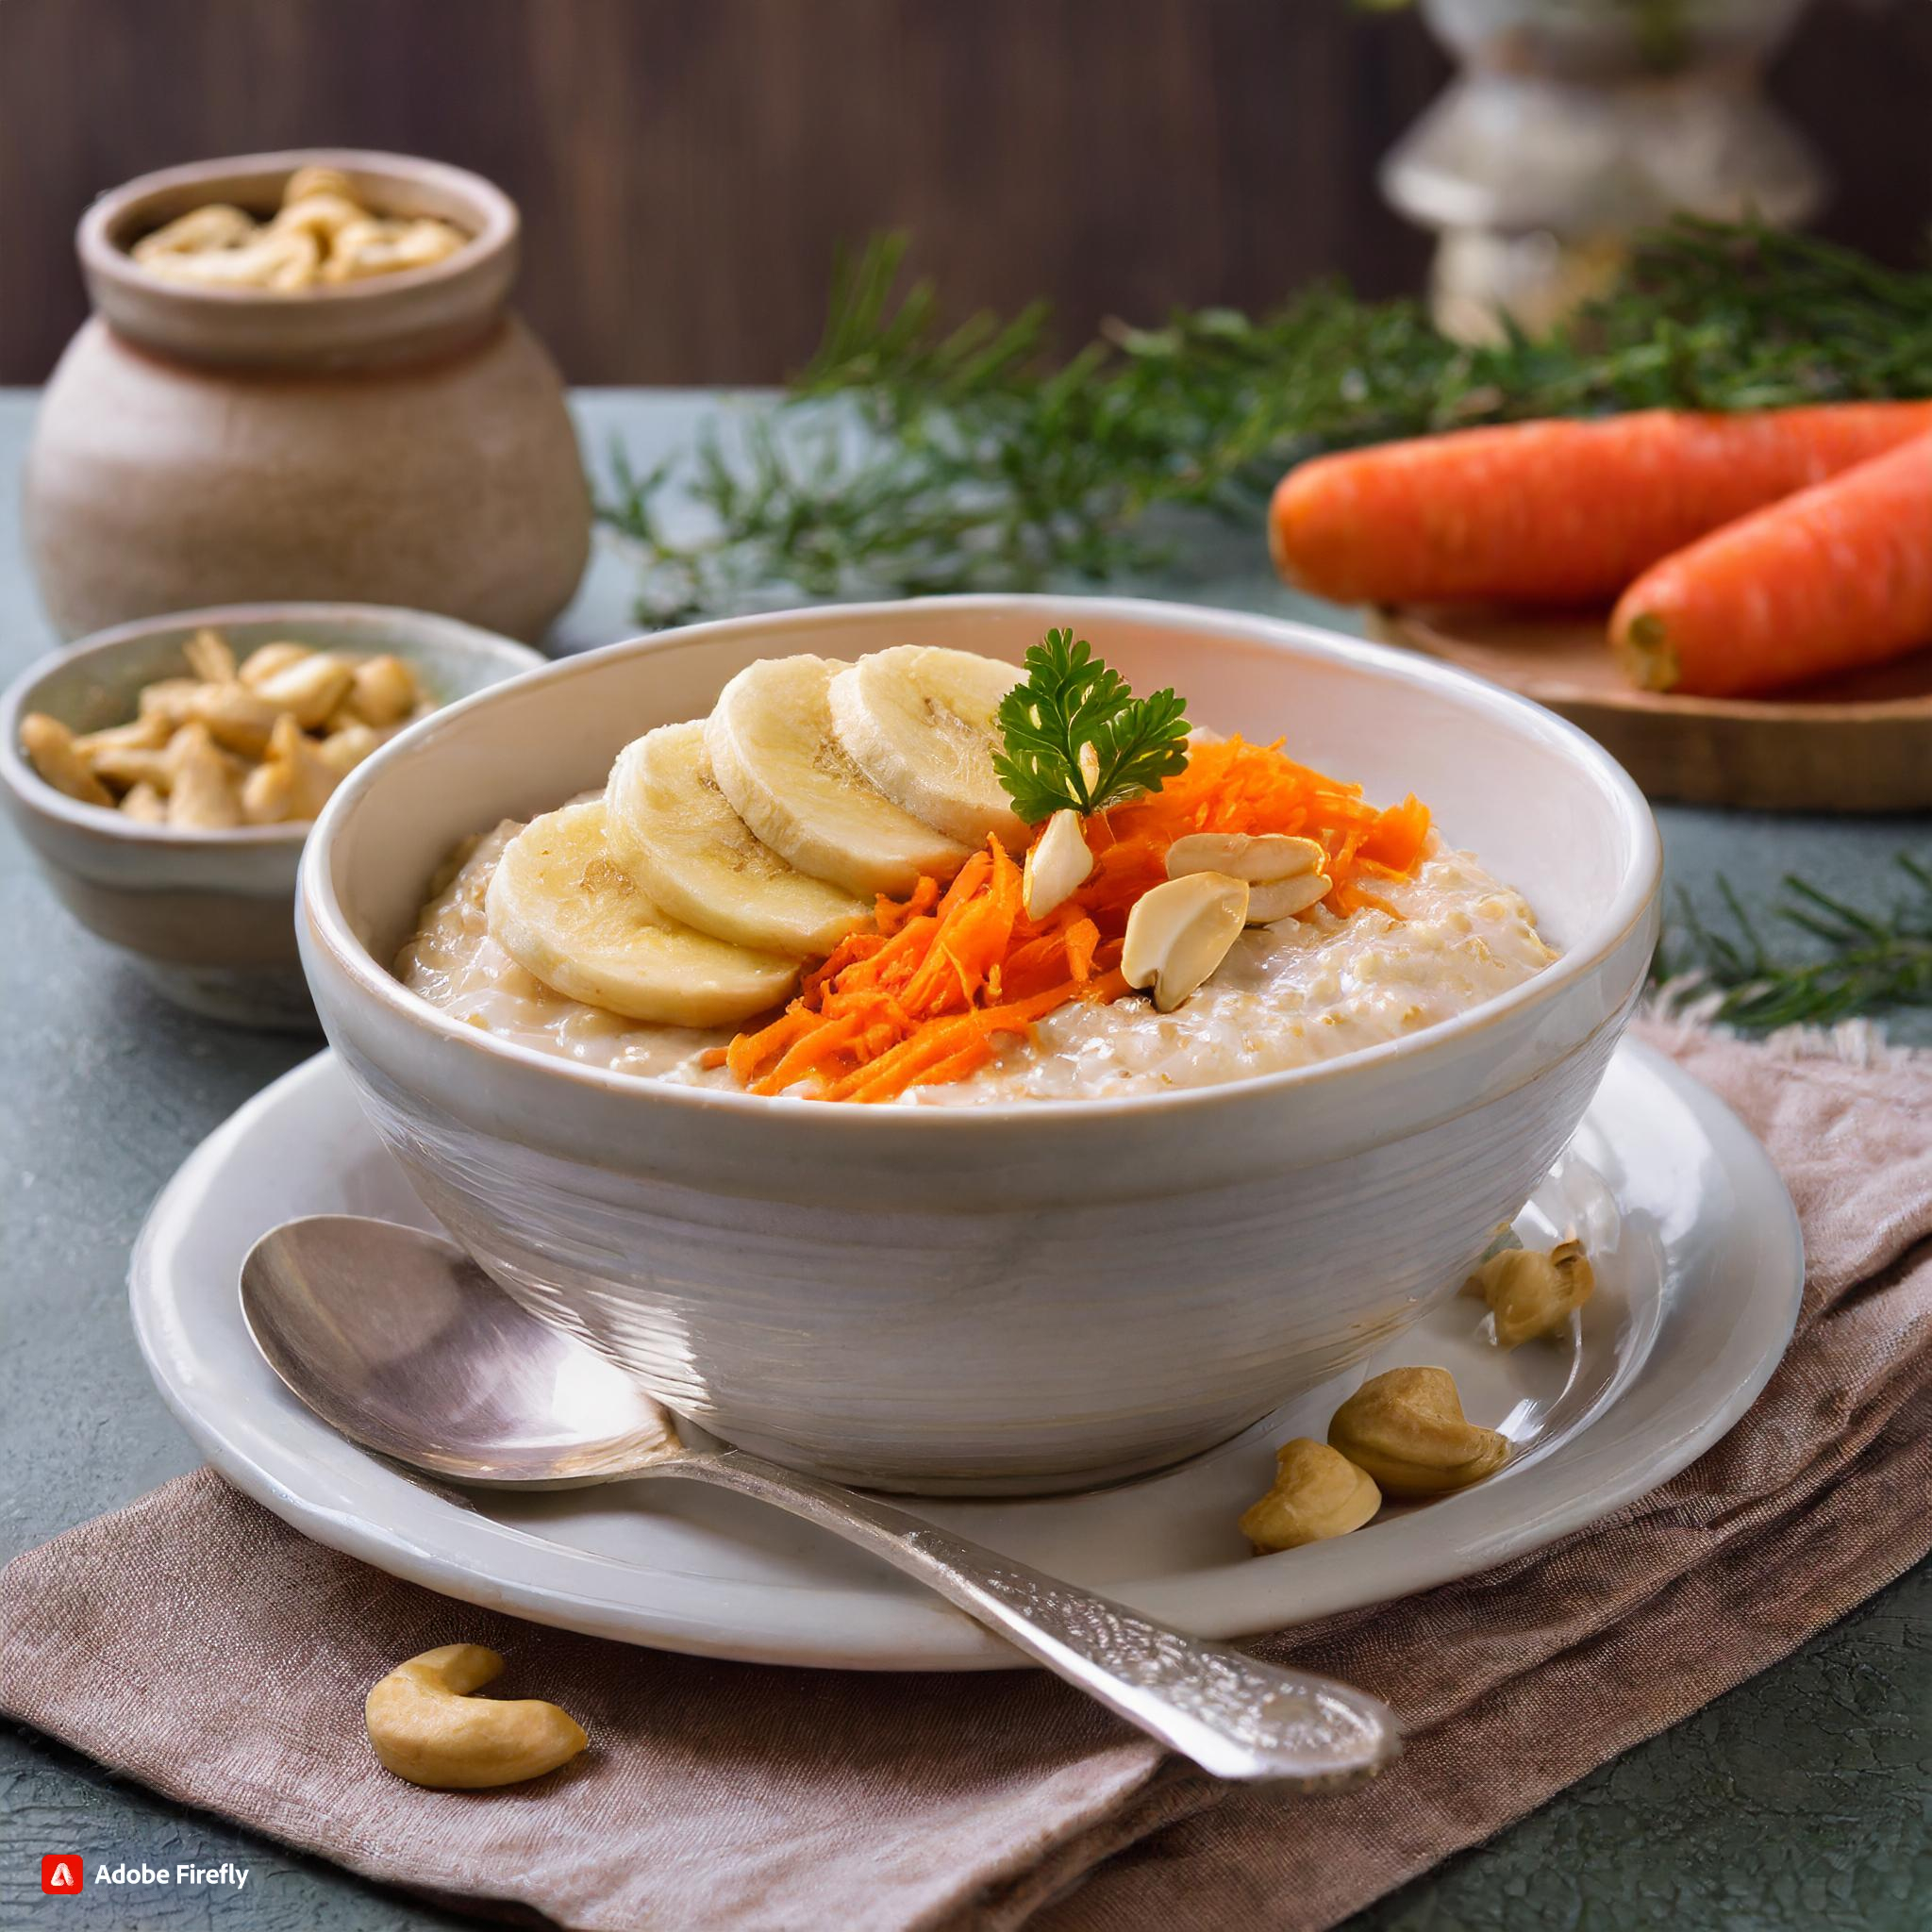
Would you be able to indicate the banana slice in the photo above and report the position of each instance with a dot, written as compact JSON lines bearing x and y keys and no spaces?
{"x":921,"y":725}
{"x":563,"y":909}
{"x":776,"y":758}
{"x":671,"y":829}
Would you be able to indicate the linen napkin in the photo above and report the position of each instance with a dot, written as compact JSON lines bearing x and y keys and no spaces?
{"x":196,"y":1643}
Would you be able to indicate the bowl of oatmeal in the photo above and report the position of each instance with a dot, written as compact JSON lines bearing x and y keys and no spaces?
{"x":942,"y":1126}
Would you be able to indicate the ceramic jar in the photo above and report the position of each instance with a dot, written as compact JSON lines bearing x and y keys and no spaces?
{"x":399,"y":441}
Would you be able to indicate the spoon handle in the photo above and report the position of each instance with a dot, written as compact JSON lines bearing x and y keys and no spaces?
{"x":1233,"y":1715}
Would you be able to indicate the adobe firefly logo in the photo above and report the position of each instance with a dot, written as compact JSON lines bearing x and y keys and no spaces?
{"x":62,"y":1873}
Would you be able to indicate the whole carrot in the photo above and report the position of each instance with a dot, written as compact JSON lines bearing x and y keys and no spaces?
{"x":1836,"y":576}
{"x":1557,"y":511}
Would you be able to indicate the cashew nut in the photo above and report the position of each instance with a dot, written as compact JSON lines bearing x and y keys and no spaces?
{"x":293,"y":773}
{"x":1318,"y":1494}
{"x":1406,"y":1428}
{"x":317,"y":179}
{"x":49,"y":746}
{"x":426,"y":1727}
{"x":1179,"y":932}
{"x":127,"y":766}
{"x":1533,"y":1295}
{"x":261,"y":743}
{"x":209,"y":658}
{"x":372,"y":248}
{"x":1057,"y":865}
{"x":236,"y":717}
{"x":266,"y":659}
{"x":382,"y":690}
{"x":146,"y":733}
{"x":198,"y":232}
{"x":202,"y":797}
{"x":310,"y":687}
{"x":282,"y":260}
{"x":323,"y":233}
{"x":169,"y":699}
{"x":201,"y":781}
{"x":1283,"y":873}
{"x":144,"y":804}
{"x":345,"y":748}
{"x":323,"y":212}
{"x":268,"y":793}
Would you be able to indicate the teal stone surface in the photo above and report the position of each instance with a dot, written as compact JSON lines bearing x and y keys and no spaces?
{"x":1797,"y":1803}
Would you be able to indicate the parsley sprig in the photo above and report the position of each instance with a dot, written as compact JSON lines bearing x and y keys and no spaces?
{"x":1077,"y":736}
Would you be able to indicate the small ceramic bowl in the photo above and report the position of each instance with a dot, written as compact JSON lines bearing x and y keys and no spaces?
{"x":206,"y":915}
{"x":1018,"y":1297}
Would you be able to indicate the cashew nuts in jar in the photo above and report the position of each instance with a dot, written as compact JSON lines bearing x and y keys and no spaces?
{"x":323,"y":233}
{"x":1406,"y":1428}
{"x":1318,"y":1494}
{"x":426,"y":1727}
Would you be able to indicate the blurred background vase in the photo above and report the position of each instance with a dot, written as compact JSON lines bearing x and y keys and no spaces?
{"x":1575,"y":123}
{"x":398,"y":441}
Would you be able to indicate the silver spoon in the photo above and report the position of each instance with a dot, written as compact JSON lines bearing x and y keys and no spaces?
{"x":397,"y":1340}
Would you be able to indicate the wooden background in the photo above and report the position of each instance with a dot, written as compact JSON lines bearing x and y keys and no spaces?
{"x":686,"y":167}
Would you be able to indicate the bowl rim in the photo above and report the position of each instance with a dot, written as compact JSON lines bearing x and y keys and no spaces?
{"x":101,"y":254}
{"x":19,"y":776}
{"x":318,"y":911}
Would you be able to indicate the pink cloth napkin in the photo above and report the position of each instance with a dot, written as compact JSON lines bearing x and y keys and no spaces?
{"x":198,"y":1644}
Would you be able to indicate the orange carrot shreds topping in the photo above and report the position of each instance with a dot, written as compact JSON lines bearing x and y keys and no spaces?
{"x":890,"y":914}
{"x":933,"y":1000}
{"x":948,"y":976}
{"x":1397,"y":838}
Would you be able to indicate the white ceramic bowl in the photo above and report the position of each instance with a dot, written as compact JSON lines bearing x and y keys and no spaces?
{"x":207,"y":916}
{"x":1022,"y":1297}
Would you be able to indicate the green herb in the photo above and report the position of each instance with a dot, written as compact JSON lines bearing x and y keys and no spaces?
{"x":1077,"y":736}
{"x":1862,"y":961}
{"x":911,"y":458}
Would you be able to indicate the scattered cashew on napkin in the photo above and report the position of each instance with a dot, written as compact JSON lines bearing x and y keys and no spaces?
{"x":198,"y":1644}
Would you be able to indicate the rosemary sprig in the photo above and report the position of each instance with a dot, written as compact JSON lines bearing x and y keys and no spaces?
{"x":910,"y":457}
{"x":1862,"y":961}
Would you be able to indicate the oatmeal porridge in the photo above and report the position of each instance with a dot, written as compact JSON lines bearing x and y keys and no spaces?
{"x":890,"y":881}
{"x":1284,"y":997}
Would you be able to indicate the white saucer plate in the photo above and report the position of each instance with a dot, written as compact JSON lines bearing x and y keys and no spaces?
{"x":1699,"y":1268}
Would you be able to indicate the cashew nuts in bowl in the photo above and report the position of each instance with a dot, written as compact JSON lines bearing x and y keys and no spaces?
{"x":260,"y":741}
{"x":426,"y":1727}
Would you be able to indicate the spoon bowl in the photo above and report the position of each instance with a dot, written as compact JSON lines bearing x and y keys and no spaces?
{"x":398,"y":1340}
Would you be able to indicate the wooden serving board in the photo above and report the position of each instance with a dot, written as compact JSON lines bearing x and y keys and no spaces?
{"x":1856,"y":743}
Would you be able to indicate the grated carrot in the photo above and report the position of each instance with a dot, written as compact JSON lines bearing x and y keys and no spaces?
{"x":947,"y":974}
